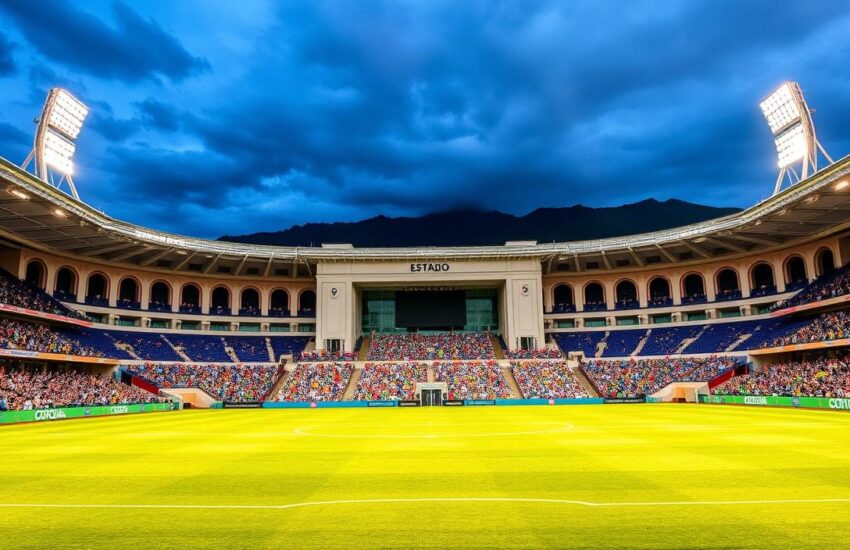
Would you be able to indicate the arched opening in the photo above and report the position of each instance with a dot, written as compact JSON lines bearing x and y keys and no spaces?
{"x":626,"y":295}
{"x":693,"y":289}
{"x":249,"y":302}
{"x":128,"y":293}
{"x":728,"y":287}
{"x":594,"y":297}
{"x":190,"y":299}
{"x":35,"y":274}
{"x":307,"y":304}
{"x":795,"y":273}
{"x":97,"y":290}
{"x":762,"y":280}
{"x":220,"y":301}
{"x":563,"y":299}
{"x":659,"y":292}
{"x":66,"y":285}
{"x":279,"y":303}
{"x":825,"y":262}
{"x":160,"y":299}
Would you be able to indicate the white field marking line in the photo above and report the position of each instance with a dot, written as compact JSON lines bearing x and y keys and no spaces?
{"x":426,"y":500}
{"x":304,"y":432}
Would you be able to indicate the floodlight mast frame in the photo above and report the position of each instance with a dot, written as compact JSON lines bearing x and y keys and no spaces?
{"x":37,"y":155}
{"x":810,"y":158}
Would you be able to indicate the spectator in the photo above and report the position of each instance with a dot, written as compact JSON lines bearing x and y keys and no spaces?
{"x":638,"y":377}
{"x":472,"y":380}
{"x":390,"y":381}
{"x":41,"y":338}
{"x":546,"y":380}
{"x":234,"y":383}
{"x":448,"y":346}
{"x":316,"y":382}
{"x":819,"y":378}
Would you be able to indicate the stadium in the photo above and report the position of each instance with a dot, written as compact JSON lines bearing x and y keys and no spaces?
{"x":687,"y":387}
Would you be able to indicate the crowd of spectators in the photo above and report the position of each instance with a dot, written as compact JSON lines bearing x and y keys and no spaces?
{"x":547,"y":380}
{"x":472,"y":380}
{"x":21,"y":294}
{"x":316,"y":382}
{"x":638,"y":377}
{"x":390,"y":381}
{"x":446,"y":346}
{"x":818,"y":378}
{"x":324,"y":355}
{"x":831,"y":285}
{"x":834,"y":325}
{"x":40,"y":338}
{"x":235,"y":383}
{"x":27,"y":389}
{"x":543,"y":353}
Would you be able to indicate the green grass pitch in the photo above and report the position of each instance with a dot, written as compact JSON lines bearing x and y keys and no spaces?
{"x":630,"y":476}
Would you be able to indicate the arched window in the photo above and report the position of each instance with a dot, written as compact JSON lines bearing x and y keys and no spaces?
{"x":626,"y":294}
{"x":160,"y":299}
{"x":594,"y":297}
{"x":659,"y":292}
{"x":762,"y":281}
{"x":220,"y":301}
{"x":563,"y":299}
{"x":728,"y":287}
{"x":307,"y":304}
{"x":97,"y":290}
{"x":279,"y":303}
{"x":66,"y":285}
{"x":35,"y":274}
{"x":693,"y":289}
{"x":825,"y":262}
{"x":128,"y":293}
{"x":795,"y":273}
{"x":190,"y":299}
{"x":249,"y":302}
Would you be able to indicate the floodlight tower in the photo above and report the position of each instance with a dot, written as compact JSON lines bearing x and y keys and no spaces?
{"x":60,"y":123}
{"x":790,"y":121}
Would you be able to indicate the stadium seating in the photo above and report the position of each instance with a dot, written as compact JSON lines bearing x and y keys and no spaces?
{"x":621,"y":343}
{"x":20,"y":294}
{"x":390,"y":380}
{"x":546,"y":380}
{"x":249,"y":349}
{"x":666,"y":340}
{"x":201,"y":348}
{"x":150,"y":347}
{"x":316,"y":382}
{"x":26,"y":389}
{"x":544,"y":353}
{"x":288,"y":345}
{"x":818,"y":378}
{"x":830,"y":285}
{"x":41,"y":338}
{"x":402,"y":347}
{"x":580,"y":341}
{"x":233,"y":383}
{"x":472,"y":380}
{"x":639,"y":377}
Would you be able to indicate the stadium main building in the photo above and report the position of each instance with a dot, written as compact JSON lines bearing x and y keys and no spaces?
{"x":703,"y":304}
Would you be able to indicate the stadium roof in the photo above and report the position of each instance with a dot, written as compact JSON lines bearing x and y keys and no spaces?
{"x":36,"y":215}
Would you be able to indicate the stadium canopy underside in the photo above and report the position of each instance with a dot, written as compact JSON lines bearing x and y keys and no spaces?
{"x":35,"y":215}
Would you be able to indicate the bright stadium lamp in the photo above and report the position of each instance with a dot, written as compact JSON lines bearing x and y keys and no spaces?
{"x":61,"y":120}
{"x":790,"y":121}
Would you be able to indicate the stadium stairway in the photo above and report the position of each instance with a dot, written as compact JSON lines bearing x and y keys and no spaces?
{"x":586,"y":382}
{"x":351,"y":388}
{"x":688,"y":341}
{"x":129,"y":349}
{"x":739,"y":341}
{"x":270,"y":351}
{"x":363,"y":353}
{"x":641,"y":344}
{"x":430,"y":374}
{"x":228,"y":349}
{"x":600,"y":347}
{"x":508,"y":373}
{"x":498,"y":351}
{"x":273,"y":393}
{"x":177,"y":350}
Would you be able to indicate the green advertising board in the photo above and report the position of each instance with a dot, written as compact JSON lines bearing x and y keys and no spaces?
{"x":60,"y":413}
{"x":835,"y":403}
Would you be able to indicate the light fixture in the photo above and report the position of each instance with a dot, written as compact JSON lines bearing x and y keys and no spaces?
{"x":59,"y":213}
{"x":20,"y":194}
{"x":790,"y":122}
{"x":61,"y":120}
{"x":842,"y":185}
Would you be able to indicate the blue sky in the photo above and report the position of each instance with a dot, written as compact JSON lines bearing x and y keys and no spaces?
{"x":214,"y":117}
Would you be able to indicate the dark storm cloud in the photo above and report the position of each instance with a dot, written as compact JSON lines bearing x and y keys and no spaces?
{"x":346,"y":109}
{"x":7,"y":63}
{"x":135,"y":48}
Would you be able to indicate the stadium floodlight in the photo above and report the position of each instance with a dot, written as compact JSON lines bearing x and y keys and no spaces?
{"x":61,"y":120}
{"x":790,"y":121}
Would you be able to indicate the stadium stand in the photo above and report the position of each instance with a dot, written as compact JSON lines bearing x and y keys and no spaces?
{"x":233,"y":383}
{"x":316,"y":382}
{"x":21,"y":294}
{"x":329,"y":356}
{"x":288,"y":345}
{"x":472,"y":380}
{"x":547,"y":380}
{"x":817,"y":378}
{"x":41,"y":338}
{"x":622,"y":343}
{"x":638,"y":377}
{"x":403,"y":347}
{"x":249,"y":349}
{"x":830,"y":285}
{"x":390,"y":380}
{"x":585,"y":342}
{"x":26,"y":389}
{"x":202,"y":348}
{"x":827,"y":326}
{"x":544,"y":353}
{"x":666,"y":340}
{"x":147,"y":346}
